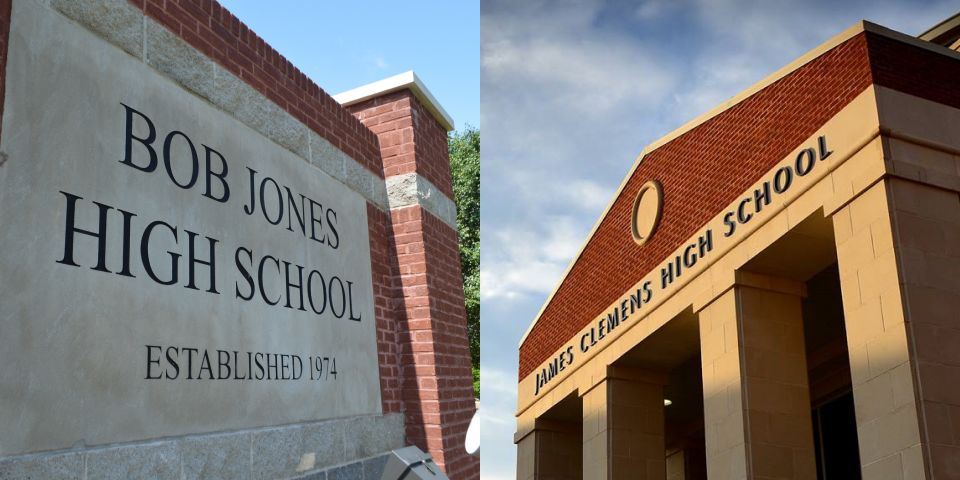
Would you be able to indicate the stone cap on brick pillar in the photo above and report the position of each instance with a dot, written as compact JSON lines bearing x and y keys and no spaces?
{"x":414,"y":153}
{"x":405,"y":80}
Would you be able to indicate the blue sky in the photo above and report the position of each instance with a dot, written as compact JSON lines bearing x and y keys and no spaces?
{"x":571,"y":93}
{"x":342,"y":45}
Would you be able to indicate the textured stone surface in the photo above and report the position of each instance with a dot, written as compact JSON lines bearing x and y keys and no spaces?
{"x":353,"y":471}
{"x":358,"y":178}
{"x":115,"y":20}
{"x":154,"y":461}
{"x":371,"y":435}
{"x":402,"y":190}
{"x":393,"y":426}
{"x":373,"y":468}
{"x":413,"y":189}
{"x":380,"y":197}
{"x":282,"y":128}
{"x":302,"y":451}
{"x":217,"y":456}
{"x":66,"y":466}
{"x":326,"y":441}
{"x":252,"y":108}
{"x":276,"y":452}
{"x":322,"y":475}
{"x":166,"y":52}
{"x":327,"y":157}
{"x":232,"y":94}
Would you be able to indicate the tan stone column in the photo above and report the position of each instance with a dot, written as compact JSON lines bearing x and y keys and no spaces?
{"x":898,"y":247}
{"x":756,"y":397}
{"x":927,"y":229}
{"x":623,"y":426}
{"x":549,"y":452}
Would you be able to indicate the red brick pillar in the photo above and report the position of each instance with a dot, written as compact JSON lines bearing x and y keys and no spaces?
{"x":434,"y":357}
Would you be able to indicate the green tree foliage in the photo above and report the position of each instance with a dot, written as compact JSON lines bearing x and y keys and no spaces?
{"x":465,"y":167}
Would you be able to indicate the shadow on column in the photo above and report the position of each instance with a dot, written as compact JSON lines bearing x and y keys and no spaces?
{"x":674,"y":351}
{"x":807,"y":254}
{"x":557,"y":441}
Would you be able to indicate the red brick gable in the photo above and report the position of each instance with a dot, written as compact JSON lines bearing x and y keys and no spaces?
{"x":708,"y":167}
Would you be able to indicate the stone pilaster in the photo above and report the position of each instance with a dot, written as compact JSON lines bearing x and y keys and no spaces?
{"x":897,"y":246}
{"x":756,"y":396}
{"x":926,"y":223}
{"x":623,"y":426}
{"x":550,"y":451}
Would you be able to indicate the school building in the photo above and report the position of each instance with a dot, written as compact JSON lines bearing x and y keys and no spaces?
{"x":774,"y":291}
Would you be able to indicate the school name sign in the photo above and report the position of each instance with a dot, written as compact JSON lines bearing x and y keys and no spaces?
{"x":304,"y":288}
{"x":630,"y":309}
{"x":167,"y":270}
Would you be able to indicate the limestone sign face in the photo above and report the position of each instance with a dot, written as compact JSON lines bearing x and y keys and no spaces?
{"x":166,"y":269}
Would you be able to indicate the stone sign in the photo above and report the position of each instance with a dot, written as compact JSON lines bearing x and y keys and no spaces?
{"x":166,"y":269}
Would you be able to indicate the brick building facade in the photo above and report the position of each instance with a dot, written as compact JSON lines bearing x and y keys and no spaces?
{"x":786,"y":317}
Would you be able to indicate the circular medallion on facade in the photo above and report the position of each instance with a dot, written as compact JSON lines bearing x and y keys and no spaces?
{"x":646,"y":211}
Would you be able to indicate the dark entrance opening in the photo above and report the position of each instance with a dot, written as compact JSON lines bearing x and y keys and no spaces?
{"x":828,"y":368}
{"x":835,"y":438}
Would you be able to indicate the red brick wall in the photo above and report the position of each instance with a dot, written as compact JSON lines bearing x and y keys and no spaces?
{"x":385,"y":272}
{"x":708,"y":167}
{"x":435,"y":357}
{"x":410,"y":138}
{"x":213,"y":30}
{"x":431,"y":146}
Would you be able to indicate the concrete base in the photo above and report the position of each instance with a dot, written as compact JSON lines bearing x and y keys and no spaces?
{"x":348,"y":448}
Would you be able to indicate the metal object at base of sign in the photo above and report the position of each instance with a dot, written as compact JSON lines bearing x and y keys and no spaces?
{"x":411,"y":463}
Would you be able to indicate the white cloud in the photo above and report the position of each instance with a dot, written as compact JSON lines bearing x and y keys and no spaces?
{"x":523,"y":261}
{"x":497,"y":423}
{"x":652,"y":9}
{"x":511,"y":280}
{"x":554,"y":81}
{"x":500,"y":390}
{"x":592,"y":77}
{"x":587,"y":194}
{"x":560,"y":193}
